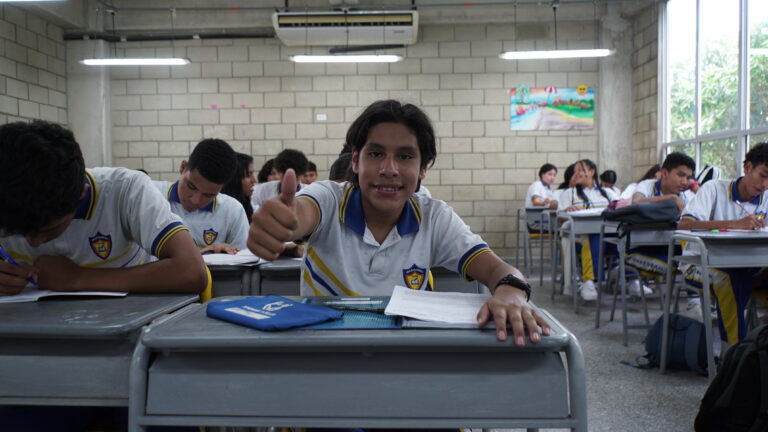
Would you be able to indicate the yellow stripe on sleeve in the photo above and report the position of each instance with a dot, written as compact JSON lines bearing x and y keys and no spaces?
{"x":167,"y":236}
{"x":469,"y":260}
{"x":321,"y":265}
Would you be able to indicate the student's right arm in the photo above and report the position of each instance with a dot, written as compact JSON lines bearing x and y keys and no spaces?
{"x":639,"y":198}
{"x":281,"y":219}
{"x":13,"y":278}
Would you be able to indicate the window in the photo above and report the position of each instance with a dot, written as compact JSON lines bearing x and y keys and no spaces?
{"x":758,"y":63}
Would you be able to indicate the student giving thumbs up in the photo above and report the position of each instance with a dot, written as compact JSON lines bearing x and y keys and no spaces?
{"x":276,"y":221}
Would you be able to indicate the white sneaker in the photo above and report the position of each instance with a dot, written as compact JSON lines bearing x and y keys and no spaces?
{"x":634,"y":288}
{"x":587,"y":291}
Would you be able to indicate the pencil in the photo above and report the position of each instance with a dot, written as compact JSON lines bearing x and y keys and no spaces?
{"x":12,"y":261}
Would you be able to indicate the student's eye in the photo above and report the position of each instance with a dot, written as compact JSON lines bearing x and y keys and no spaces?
{"x":406,"y":156}
{"x":191,"y":186}
{"x":374,"y":154}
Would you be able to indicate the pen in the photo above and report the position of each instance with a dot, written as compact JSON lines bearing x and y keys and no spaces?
{"x":12,"y":261}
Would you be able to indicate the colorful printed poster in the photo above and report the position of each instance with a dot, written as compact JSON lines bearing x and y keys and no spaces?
{"x":551,"y":108}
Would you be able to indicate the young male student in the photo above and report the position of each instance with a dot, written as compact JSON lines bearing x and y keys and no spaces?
{"x":368,"y":235}
{"x":676,"y":174}
{"x":216,"y":221}
{"x":310,"y":176}
{"x":729,"y":204}
{"x":72,"y":229}
{"x":285,"y":160}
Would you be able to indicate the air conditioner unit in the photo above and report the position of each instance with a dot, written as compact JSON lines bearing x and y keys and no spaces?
{"x":347,"y":28}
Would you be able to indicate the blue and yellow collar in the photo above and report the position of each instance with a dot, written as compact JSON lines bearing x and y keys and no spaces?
{"x":351,"y":213}
{"x":173,"y":196}
{"x":657,"y":188}
{"x":734,"y":193}
{"x":87,"y":204}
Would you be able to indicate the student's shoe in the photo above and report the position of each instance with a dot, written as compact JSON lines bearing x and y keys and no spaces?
{"x":587,"y":291}
{"x":693,"y":310}
{"x":634,"y":288}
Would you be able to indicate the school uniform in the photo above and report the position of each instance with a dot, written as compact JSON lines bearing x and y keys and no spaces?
{"x":543,"y":191}
{"x":718,"y":200}
{"x":652,"y":259}
{"x":223,"y":220}
{"x":628,"y":192}
{"x":588,"y":246}
{"x":122,"y":221}
{"x":266,"y":191}
{"x":343,"y":258}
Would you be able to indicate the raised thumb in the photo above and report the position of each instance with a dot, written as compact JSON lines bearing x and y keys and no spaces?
{"x":288,"y":187}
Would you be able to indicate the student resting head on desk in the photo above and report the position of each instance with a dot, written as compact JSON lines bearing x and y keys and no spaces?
{"x":366,"y":236}
{"x":72,"y":229}
{"x":729,"y":204}
{"x":216,"y":221}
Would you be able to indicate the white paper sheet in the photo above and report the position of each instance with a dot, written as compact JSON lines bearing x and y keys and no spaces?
{"x":244,"y":257}
{"x":32,"y":294}
{"x":448,"y":307}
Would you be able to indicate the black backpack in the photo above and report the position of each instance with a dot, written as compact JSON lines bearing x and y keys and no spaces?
{"x":687,"y":344}
{"x":659,"y":216}
{"x":737,"y":399}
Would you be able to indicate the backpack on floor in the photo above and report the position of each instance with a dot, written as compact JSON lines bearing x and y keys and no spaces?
{"x":737,"y":399}
{"x":687,"y":344}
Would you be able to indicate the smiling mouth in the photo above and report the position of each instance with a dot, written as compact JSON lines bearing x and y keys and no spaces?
{"x":387,"y":188}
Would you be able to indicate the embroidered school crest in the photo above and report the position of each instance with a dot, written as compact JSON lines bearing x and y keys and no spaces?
{"x":101,"y":245}
{"x":209,"y":236}
{"x":414,"y":276}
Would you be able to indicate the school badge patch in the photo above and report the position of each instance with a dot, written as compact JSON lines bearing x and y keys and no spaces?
{"x":414,"y":276}
{"x":101,"y":245}
{"x":209,"y":236}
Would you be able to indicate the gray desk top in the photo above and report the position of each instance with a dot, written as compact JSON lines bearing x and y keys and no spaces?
{"x":708,"y":235}
{"x":281,"y":264}
{"x":67,"y":317}
{"x":190,"y":330}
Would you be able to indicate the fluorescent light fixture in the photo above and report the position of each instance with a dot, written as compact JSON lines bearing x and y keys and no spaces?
{"x":554,"y":54}
{"x":364,"y":58}
{"x":136,"y":62}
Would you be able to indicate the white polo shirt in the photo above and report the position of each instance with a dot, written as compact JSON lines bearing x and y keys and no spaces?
{"x":266,"y":191}
{"x":652,"y":188}
{"x":120,"y":222}
{"x":538,"y":189}
{"x":570,"y":197}
{"x":343,"y":258}
{"x":221,"y":221}
{"x":718,"y":200}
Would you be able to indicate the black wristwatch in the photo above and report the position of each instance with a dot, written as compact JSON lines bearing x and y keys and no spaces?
{"x":516,"y":282}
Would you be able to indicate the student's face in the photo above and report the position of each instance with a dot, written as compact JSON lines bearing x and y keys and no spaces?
{"x":583,"y":175}
{"x":755,"y":178}
{"x":274,"y":175}
{"x":549,"y":177}
{"x":248,"y":181}
{"x":194,"y":190}
{"x":676,"y":180}
{"x":388,"y":168}
{"x":50,"y":231}
{"x":309,"y":177}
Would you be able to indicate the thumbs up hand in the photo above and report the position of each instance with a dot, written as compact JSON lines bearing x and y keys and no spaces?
{"x":275,"y":222}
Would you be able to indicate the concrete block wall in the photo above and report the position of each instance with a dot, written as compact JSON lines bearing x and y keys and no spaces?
{"x":33,"y":82}
{"x":247,"y":92}
{"x":645,"y":81}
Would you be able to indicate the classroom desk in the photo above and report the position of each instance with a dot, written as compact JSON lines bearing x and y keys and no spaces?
{"x":450,"y":281}
{"x":192,"y":370}
{"x":530,"y":215}
{"x":74,"y":351}
{"x":574,"y":224}
{"x":650,"y":235}
{"x":231,"y":280}
{"x":718,"y":250}
{"x":278,"y":277}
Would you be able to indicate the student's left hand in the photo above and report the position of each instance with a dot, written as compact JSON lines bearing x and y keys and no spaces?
{"x":57,"y":273}
{"x":220,"y":248}
{"x":508,"y":305}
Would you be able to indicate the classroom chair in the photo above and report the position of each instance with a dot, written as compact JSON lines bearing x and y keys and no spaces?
{"x":529,"y":217}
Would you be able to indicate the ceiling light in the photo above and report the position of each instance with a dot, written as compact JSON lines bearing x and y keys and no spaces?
{"x":172,"y":61}
{"x":362,"y":58}
{"x":555,"y":54}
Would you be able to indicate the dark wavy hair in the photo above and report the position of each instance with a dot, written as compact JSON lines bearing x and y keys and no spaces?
{"x":757,"y":155}
{"x":547,"y":167}
{"x":340,"y":168}
{"x":651,"y":173}
{"x":676,"y":159}
{"x":580,"y":188}
{"x":567,"y":176}
{"x":290,"y":158}
{"x":234,"y":187}
{"x":265,"y":170}
{"x":42,"y":173}
{"x":608,"y":176}
{"x":214,"y":159}
{"x":392,"y":111}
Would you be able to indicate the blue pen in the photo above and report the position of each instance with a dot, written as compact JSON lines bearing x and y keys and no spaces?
{"x":10,"y":260}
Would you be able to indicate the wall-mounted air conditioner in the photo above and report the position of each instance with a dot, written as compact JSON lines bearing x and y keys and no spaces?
{"x":347,"y":28}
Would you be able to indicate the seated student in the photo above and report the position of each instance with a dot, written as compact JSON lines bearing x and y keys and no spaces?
{"x":368,"y":235}
{"x":72,"y":229}
{"x":608,"y":181}
{"x":586,"y":194}
{"x":652,"y":173}
{"x":729,"y":204}
{"x":267,"y":172}
{"x":709,"y":172}
{"x":540,"y":192}
{"x":568,"y":182}
{"x":340,"y":168}
{"x":240,"y":187}
{"x":286,"y":159}
{"x":310,"y":176}
{"x":676,"y":173}
{"x":216,"y":221}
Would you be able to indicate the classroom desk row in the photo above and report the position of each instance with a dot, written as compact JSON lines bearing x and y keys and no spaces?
{"x":161,"y":356}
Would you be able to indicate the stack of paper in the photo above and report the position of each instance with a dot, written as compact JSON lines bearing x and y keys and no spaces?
{"x":32,"y":294}
{"x":445,"y":307}
{"x":244,"y":257}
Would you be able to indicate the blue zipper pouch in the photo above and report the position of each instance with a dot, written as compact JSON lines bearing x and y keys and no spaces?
{"x":270,"y":313}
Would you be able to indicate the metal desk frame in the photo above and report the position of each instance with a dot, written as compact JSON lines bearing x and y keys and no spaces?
{"x":531,"y":215}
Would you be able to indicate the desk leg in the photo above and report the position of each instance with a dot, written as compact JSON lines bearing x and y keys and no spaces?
{"x":245,"y":284}
{"x":553,"y":238}
{"x":706,"y":316}
{"x":577,"y":383}
{"x":541,"y":247}
{"x":667,"y":299}
{"x":517,"y":241}
{"x":137,"y":399}
{"x":600,"y":271}
{"x":574,"y":286}
{"x":623,"y":284}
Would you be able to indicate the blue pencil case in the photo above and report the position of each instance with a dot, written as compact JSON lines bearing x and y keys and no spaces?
{"x":270,"y":313}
